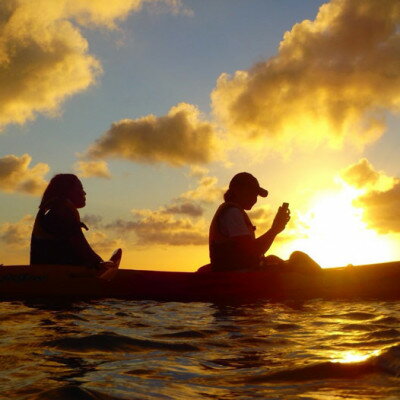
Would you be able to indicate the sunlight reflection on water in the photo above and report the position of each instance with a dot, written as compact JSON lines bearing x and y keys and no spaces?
{"x":151,"y":350}
{"x":353,"y":356}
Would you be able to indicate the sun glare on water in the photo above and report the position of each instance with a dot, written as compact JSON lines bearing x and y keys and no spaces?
{"x":354,"y":356}
{"x":334,"y":234}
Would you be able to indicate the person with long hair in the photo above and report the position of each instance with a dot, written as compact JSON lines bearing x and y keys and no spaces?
{"x":57,"y":236}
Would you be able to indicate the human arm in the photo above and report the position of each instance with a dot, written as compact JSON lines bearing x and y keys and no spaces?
{"x":62,"y":221}
{"x":264,"y":242}
{"x":254,"y":248}
{"x":84,"y":251}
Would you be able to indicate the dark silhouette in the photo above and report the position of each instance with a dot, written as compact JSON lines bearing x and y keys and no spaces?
{"x":232,"y":242}
{"x":57,"y":236}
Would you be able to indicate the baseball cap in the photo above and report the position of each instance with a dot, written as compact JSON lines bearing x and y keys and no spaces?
{"x":245,"y":179}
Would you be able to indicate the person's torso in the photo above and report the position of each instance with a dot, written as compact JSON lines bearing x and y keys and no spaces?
{"x":52,"y":231}
{"x":224,"y":255}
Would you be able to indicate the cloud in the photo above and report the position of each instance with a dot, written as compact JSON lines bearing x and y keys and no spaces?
{"x":88,"y":169}
{"x":198,"y":171}
{"x":380,"y":195}
{"x":178,"y":138}
{"x":92,"y":220}
{"x":185,"y":208}
{"x":262,"y":218}
{"x":43,"y":59}
{"x":330,"y":81}
{"x":380,"y":209}
{"x":360,"y":174}
{"x":17,"y":234}
{"x":176,"y":7}
{"x":44,"y":56}
{"x":207,"y":191}
{"x":16,"y":176}
{"x":158,"y":227}
{"x":101,"y":242}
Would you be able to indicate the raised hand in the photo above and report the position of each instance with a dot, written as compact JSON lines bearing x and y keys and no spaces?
{"x":282,"y":217}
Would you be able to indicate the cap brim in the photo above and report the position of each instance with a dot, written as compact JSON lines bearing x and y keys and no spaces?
{"x":262,"y":192}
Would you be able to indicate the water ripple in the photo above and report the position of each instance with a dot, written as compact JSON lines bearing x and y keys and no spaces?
{"x":115,"y":349}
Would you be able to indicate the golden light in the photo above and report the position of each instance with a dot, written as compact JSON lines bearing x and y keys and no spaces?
{"x":334,"y":234}
{"x":353,"y":356}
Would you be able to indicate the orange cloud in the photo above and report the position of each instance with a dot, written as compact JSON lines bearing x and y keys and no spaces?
{"x":159,"y":227}
{"x":88,"y":169}
{"x":362,"y":175}
{"x":43,"y":55}
{"x":381,"y":209}
{"x":102,"y":243}
{"x":178,"y":138}
{"x":262,"y":218}
{"x":16,"y":176}
{"x":207,"y":191}
{"x":198,"y":171}
{"x":380,"y":198}
{"x":17,"y":234}
{"x":184,"y":208}
{"x":330,"y":81}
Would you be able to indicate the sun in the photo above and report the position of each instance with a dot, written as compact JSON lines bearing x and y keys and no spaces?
{"x":334,"y":233}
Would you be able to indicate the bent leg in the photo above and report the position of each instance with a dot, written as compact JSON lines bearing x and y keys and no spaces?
{"x":302,"y":263}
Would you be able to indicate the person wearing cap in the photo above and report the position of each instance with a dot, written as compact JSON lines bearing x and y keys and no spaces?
{"x":232,"y":241}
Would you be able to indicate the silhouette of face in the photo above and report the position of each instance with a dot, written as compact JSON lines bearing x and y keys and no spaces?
{"x":249,"y":199}
{"x":246,"y":197}
{"x":78,"y":195}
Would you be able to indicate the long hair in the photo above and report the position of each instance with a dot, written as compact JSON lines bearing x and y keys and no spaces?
{"x":60,"y":186}
{"x":229,"y":196}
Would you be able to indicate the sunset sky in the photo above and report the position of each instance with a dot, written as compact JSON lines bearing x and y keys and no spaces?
{"x":156,"y":104}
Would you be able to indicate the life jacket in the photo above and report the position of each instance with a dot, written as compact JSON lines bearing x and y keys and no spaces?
{"x":224,"y":254}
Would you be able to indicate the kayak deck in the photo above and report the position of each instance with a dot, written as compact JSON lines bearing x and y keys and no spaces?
{"x":374,"y":281}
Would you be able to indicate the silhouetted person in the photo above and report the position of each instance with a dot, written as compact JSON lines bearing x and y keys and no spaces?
{"x":57,"y":236}
{"x":232,"y":241}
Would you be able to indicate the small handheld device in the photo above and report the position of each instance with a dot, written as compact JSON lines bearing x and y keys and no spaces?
{"x":285,"y":206}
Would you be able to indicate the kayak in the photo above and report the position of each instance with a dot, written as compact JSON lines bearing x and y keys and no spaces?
{"x":374,"y":281}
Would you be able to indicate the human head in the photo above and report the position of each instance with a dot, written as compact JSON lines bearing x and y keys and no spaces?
{"x":244,"y":189}
{"x":64,"y":186}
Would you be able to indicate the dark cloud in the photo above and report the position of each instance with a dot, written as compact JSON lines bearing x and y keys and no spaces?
{"x":92,"y":220}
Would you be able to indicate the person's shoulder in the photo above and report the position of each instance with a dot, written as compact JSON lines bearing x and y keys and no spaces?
{"x":228,"y":206}
{"x":233,"y":222}
{"x":232,"y":212}
{"x":232,"y":216}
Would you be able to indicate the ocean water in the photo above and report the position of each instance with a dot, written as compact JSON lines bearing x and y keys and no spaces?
{"x":113,"y":349}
